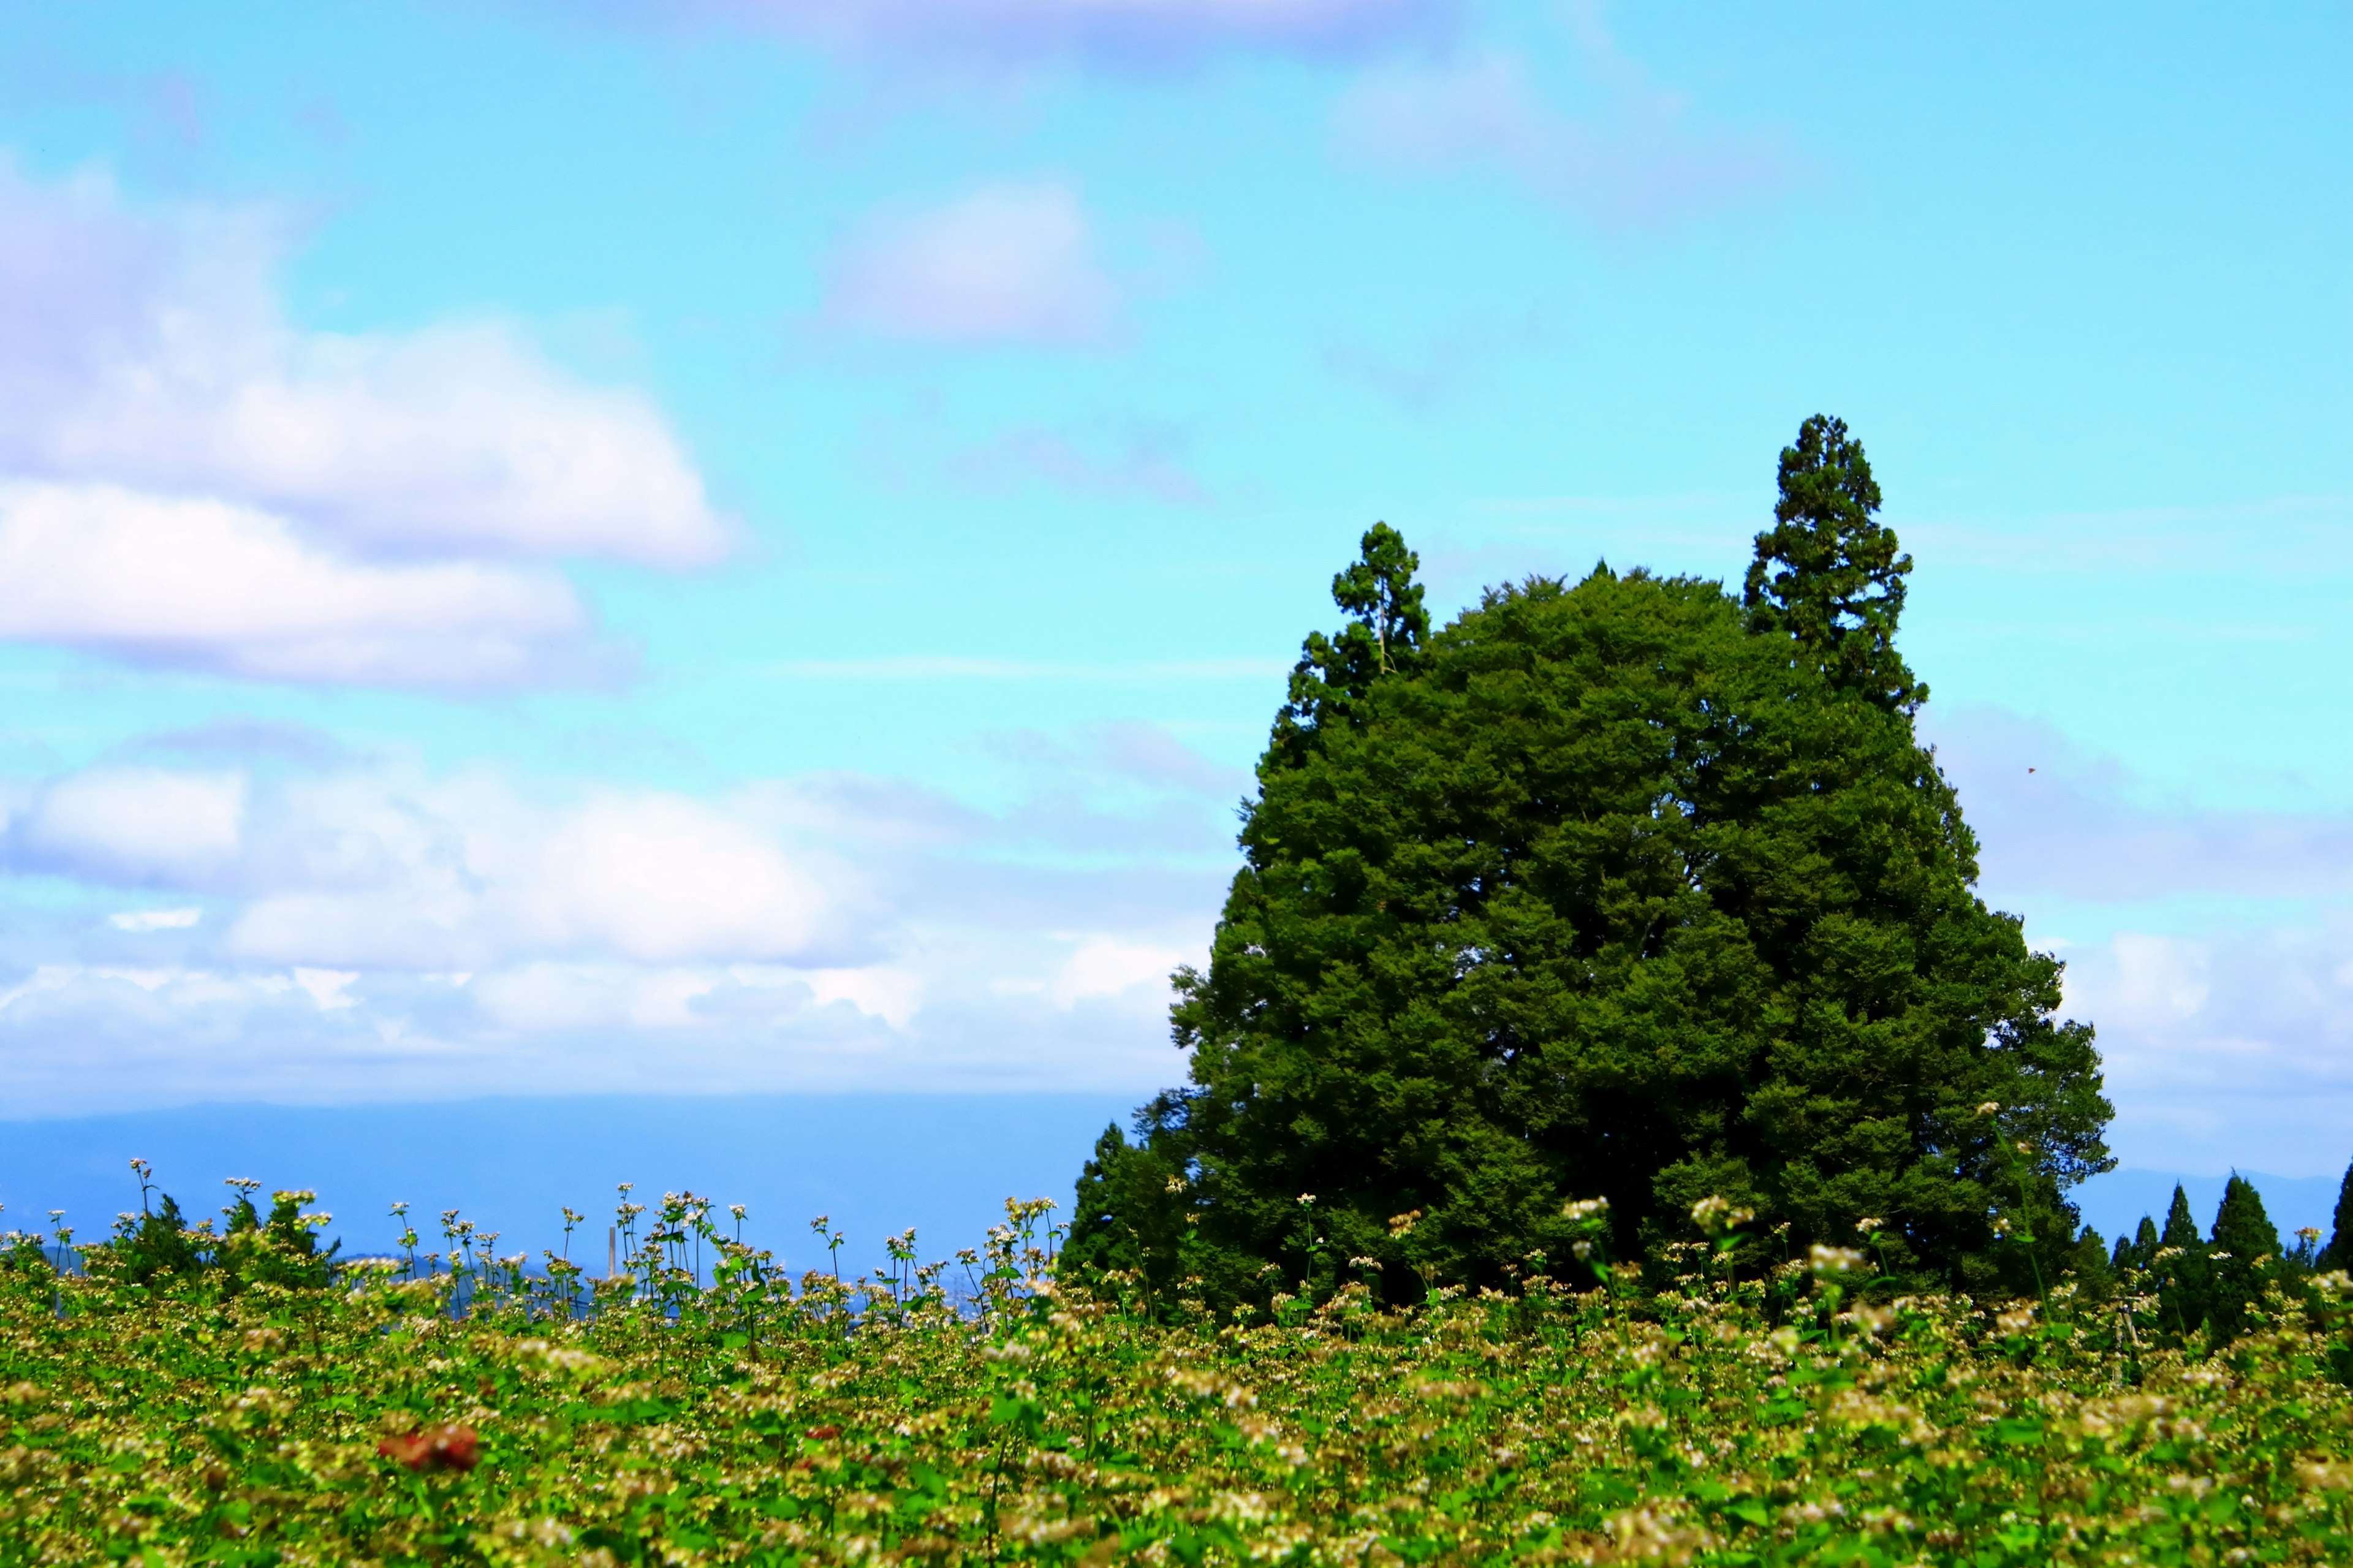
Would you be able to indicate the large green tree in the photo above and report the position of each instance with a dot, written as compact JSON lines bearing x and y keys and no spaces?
{"x":1622,"y":889}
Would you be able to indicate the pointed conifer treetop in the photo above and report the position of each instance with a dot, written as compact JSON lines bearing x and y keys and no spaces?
{"x":1828,"y":573}
{"x":2186,"y":1293}
{"x":2242,"y":1227}
{"x":1387,"y":629}
{"x":2180,"y":1224}
{"x":2246,"y":1243}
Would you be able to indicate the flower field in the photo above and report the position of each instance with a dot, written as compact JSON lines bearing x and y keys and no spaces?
{"x":698,"y":1407}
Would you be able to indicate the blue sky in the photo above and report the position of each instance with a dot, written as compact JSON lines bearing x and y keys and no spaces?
{"x":749,"y":544}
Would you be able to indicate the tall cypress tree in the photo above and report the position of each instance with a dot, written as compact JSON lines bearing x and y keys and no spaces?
{"x":1384,"y":636}
{"x":2246,"y":1255}
{"x":1620,"y":888}
{"x":1829,"y":575}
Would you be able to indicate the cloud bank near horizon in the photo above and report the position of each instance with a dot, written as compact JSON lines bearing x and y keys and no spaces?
{"x":346,"y":928}
{"x":314,"y":925}
{"x":2236,"y":1016}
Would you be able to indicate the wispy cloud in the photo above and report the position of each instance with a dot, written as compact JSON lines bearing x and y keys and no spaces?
{"x":1147,"y":35}
{"x":1420,"y":378}
{"x":1124,"y":460}
{"x":1013,"y":263}
{"x":1140,"y":467}
{"x":1634,"y":156}
{"x":2053,"y":819}
{"x":193,"y":479}
{"x":2269,"y":536}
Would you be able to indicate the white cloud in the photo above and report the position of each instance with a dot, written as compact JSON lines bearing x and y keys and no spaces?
{"x":327,"y":987}
{"x":134,"y":826}
{"x":344,"y":503}
{"x":468,"y":875}
{"x":2153,"y":980}
{"x":1011,"y":263}
{"x":542,"y":997}
{"x":198,"y":583}
{"x":891,"y":995}
{"x":154,"y":920}
{"x":2231,"y":1046}
{"x":57,"y":977}
{"x":1107,"y":965}
{"x":656,"y":878}
{"x":374,"y":868}
{"x":152,"y":352}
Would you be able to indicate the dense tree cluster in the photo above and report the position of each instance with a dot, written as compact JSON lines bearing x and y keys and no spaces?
{"x":2207,"y":1286}
{"x":1623,"y":888}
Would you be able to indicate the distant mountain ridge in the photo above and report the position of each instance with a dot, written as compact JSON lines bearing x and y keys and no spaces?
{"x":874,"y":1163}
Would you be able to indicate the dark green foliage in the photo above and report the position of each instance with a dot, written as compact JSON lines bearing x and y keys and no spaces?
{"x":2185,"y":1277}
{"x":2338,"y":1253}
{"x":2246,"y":1253}
{"x":2093,"y":1277}
{"x":1623,"y":889}
{"x":158,"y":1249}
{"x":160,"y":1242}
{"x":280,"y":1249}
{"x":1385,"y":635}
{"x":1828,"y":575}
{"x":25,"y":1255}
{"x":1128,"y":1215}
{"x":2138,"y":1250}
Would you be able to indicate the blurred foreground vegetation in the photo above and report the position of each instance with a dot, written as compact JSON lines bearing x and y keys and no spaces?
{"x":279,"y":1408}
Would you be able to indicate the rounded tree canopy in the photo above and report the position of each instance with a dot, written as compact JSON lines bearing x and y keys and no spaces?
{"x":1619,"y":889}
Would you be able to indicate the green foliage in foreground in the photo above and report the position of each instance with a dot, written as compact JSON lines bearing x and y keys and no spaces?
{"x":738,"y":1421}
